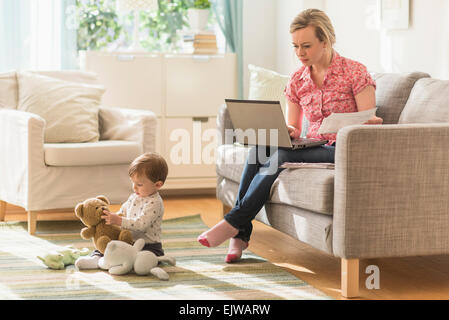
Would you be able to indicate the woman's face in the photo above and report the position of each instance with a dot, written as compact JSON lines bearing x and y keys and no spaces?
{"x":308,"y":48}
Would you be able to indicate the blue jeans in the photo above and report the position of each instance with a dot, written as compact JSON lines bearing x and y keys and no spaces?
{"x":260,"y":172}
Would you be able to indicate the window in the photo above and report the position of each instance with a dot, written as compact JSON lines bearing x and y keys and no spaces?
{"x":47,"y":34}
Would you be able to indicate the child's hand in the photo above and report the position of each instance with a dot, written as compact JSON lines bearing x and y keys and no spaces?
{"x":111,"y":218}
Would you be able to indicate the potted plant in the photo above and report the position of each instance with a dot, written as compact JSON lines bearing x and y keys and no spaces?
{"x":198,"y":15}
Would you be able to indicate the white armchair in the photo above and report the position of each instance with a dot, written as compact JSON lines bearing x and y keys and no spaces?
{"x":41,"y":176}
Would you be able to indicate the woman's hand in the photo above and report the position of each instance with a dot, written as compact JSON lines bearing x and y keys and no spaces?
{"x":293,"y":132}
{"x":374,"y":120}
{"x":111,"y":218}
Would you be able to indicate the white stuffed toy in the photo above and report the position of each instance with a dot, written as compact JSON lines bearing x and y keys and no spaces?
{"x":121,"y":257}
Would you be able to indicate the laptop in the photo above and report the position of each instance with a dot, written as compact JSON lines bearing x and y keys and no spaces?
{"x":258,"y":122}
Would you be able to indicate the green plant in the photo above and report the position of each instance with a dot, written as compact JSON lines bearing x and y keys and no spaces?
{"x":163,"y":26}
{"x":98,"y":24}
{"x":201,"y":4}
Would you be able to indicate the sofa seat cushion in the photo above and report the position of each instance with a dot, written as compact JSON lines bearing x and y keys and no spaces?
{"x":311,"y":189}
{"x":230,"y":160}
{"x":108,"y":152}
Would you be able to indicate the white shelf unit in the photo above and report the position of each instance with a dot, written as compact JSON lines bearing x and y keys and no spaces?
{"x":185,"y":92}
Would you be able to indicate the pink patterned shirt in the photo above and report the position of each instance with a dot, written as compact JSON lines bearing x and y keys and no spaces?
{"x":344,"y":79}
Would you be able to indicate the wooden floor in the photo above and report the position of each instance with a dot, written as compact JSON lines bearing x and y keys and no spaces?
{"x":400,"y":278}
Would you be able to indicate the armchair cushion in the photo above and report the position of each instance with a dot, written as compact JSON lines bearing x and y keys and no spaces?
{"x":91,"y":153}
{"x":70,"y":109}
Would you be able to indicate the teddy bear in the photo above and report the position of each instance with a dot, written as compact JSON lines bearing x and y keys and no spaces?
{"x":90,"y":212}
{"x":120,"y":258}
{"x":63,"y":257}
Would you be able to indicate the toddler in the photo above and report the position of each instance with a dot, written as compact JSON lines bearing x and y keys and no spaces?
{"x":142,"y":212}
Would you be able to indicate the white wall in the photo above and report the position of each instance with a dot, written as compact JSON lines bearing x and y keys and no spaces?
{"x":424,"y":46}
{"x":259,"y":36}
{"x":286,"y":60}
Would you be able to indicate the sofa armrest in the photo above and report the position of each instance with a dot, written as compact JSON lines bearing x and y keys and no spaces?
{"x":224,"y":126}
{"x":129,"y":125}
{"x":391,"y":191}
{"x":21,"y":154}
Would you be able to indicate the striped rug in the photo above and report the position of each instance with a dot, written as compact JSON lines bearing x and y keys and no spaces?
{"x":200,"y":273}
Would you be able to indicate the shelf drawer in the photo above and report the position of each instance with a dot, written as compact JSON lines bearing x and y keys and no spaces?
{"x":190,"y":145}
{"x":197,"y":85}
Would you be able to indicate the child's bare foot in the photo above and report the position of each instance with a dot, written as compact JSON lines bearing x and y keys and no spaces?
{"x":218,"y":234}
{"x":236,"y":246}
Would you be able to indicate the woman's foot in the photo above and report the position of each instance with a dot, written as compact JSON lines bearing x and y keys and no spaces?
{"x":236,"y":247}
{"x":218,"y":234}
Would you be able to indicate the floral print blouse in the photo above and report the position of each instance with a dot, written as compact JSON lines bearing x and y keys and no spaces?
{"x":343,"y":80}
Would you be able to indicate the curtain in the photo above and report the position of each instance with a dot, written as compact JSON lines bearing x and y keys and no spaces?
{"x":229,"y":15}
{"x":34,"y":35}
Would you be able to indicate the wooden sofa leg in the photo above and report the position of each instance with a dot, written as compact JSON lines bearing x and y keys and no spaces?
{"x":2,"y":210}
{"x":32,"y":220}
{"x":226,"y":209}
{"x":350,"y":278}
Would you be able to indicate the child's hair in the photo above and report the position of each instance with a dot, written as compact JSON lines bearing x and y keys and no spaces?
{"x":150,"y":164}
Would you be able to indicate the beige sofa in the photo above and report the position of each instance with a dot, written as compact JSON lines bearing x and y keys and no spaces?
{"x":388,"y":193}
{"x":39,"y":176}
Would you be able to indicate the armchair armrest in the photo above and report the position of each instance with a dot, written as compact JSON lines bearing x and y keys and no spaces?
{"x":224,"y":126}
{"x":21,"y":153}
{"x":129,"y":125}
{"x":391,"y":191}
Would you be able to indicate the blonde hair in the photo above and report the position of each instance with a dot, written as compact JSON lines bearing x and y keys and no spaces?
{"x":324,"y":30}
{"x":150,"y":164}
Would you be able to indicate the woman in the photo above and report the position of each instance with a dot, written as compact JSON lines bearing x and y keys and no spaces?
{"x":326,"y":83}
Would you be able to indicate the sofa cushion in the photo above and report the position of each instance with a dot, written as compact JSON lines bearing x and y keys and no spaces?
{"x":70,"y":109}
{"x":310,"y":227}
{"x":100,"y":153}
{"x":266,"y":84}
{"x":392,"y":92}
{"x":8,"y":90}
{"x":230,"y":160}
{"x":428,"y":102}
{"x":269,"y":85}
{"x":311,"y":189}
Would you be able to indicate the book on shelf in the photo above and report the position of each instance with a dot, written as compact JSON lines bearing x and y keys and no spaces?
{"x":203,"y":42}
{"x":205,"y":35}
{"x":205,"y":51}
{"x":205,"y":45}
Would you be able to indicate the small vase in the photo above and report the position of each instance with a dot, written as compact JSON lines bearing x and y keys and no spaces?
{"x":198,"y":19}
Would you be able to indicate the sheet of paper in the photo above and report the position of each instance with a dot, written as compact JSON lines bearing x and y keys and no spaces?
{"x":336,"y":121}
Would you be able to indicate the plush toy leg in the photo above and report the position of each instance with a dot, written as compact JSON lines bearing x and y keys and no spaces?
{"x":126,"y":236}
{"x":121,"y":269}
{"x":101,"y":243}
{"x":86,"y":263}
{"x":160,"y":273}
{"x":167,"y":259}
